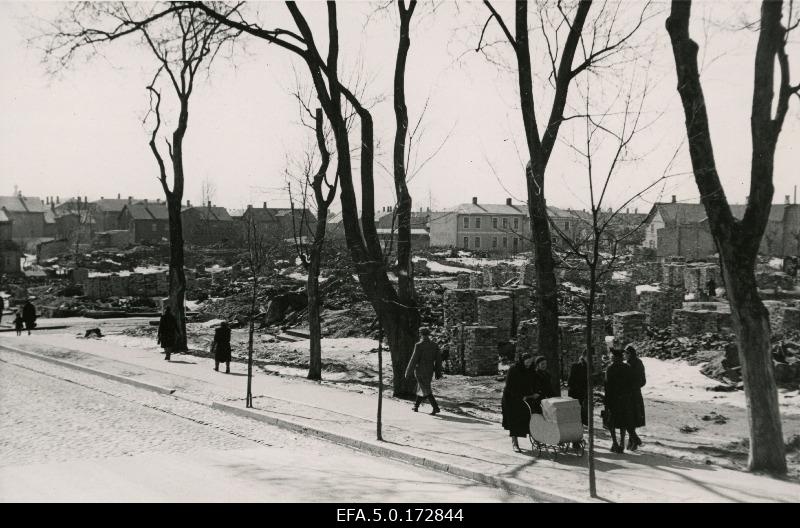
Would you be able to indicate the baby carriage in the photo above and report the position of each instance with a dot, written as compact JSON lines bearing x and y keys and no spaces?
{"x":558,"y":427}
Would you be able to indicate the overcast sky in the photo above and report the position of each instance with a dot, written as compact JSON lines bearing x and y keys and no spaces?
{"x":81,"y":132}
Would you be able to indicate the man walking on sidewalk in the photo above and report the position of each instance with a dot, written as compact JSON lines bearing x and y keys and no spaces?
{"x":425,"y":361}
{"x":167,"y":332}
{"x":29,"y":316}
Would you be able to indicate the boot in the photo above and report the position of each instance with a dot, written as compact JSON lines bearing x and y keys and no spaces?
{"x":515,"y":444}
{"x":436,"y":409}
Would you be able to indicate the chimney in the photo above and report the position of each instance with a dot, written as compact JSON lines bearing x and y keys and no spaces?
{"x":145,"y":201}
{"x":118,"y":196}
{"x":508,"y":201}
{"x":209,"y":203}
{"x":249,"y":206}
{"x":628,"y":210}
{"x":47,"y":202}
{"x":636,"y":211}
{"x":130,"y":199}
{"x":85,"y":200}
{"x":19,"y":194}
{"x":265,"y":205}
{"x":102,"y":198}
{"x":475,"y":200}
{"x":787,"y":200}
{"x":188,"y":203}
{"x":58,"y":200}
{"x":429,"y":209}
{"x":673,"y":199}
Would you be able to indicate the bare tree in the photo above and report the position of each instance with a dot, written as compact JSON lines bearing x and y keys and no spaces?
{"x":182,"y":41}
{"x":738,"y":241}
{"x":596,"y":39}
{"x":396,"y":308}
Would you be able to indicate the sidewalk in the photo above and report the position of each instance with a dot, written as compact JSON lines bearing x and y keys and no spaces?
{"x":463,"y":446}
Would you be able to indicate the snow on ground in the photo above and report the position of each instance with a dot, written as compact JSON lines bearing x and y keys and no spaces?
{"x":472,"y":261}
{"x":441,"y":268}
{"x":776,"y":264}
{"x":621,"y":275}
{"x":678,"y":381}
{"x":338,"y":345}
{"x":646,"y":287}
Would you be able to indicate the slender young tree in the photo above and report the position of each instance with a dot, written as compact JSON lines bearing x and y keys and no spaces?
{"x":596,"y":47}
{"x":738,"y":241}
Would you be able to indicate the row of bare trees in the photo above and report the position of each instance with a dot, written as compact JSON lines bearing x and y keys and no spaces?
{"x":580,"y":37}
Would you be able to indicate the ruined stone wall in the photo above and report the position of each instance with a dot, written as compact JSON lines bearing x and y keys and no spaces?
{"x":474,"y":350}
{"x":620,"y":296}
{"x":659,"y":305}
{"x":628,"y":327}
{"x":572,"y":333}
{"x":496,"y":311}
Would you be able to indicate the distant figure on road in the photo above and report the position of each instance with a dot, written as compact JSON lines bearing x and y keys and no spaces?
{"x":619,"y":399}
{"x":639,"y":379}
{"x":168,"y":332}
{"x":519,"y":385}
{"x":578,"y":386}
{"x":18,"y":323}
{"x":425,"y":362}
{"x":222,"y":347}
{"x":712,"y":287}
{"x":29,"y":316}
{"x":2,"y":307}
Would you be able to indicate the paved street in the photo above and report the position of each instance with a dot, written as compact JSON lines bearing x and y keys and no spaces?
{"x":72,"y":436}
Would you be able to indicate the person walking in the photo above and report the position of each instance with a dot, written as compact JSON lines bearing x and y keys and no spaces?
{"x":18,"y":323}
{"x":578,"y":388}
{"x":2,"y":308}
{"x":29,"y":316}
{"x":542,"y":385}
{"x":425,"y":362}
{"x":711,"y":285}
{"x":618,"y":399}
{"x":168,"y":332}
{"x":222,"y":347}
{"x":519,"y":385}
{"x":639,"y":381}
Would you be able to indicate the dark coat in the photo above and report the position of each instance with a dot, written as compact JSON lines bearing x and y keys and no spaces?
{"x":29,"y":313}
{"x":425,"y":361}
{"x":519,"y":384}
{"x":167,"y":331}
{"x":578,"y":388}
{"x":640,"y":380}
{"x":222,"y":344}
{"x":619,"y":385}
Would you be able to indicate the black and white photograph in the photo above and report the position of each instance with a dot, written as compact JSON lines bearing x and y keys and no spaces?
{"x":400,"y":260}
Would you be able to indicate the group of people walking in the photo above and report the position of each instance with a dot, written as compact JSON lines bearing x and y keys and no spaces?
{"x":528,"y":382}
{"x":169,"y":334}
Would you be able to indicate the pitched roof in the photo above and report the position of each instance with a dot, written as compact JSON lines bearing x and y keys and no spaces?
{"x":22,"y":204}
{"x":269,"y":214}
{"x":689,"y":213}
{"x":495,"y":209}
{"x":3,"y":217}
{"x":113,"y":205}
{"x":49,"y":217}
{"x":211,"y":213}
{"x":419,"y":219}
{"x":236,"y":213}
{"x":148,"y":211}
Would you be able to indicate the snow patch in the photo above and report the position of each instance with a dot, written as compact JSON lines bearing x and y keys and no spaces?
{"x":646,"y":287}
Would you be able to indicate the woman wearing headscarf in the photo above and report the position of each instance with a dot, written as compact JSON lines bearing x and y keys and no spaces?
{"x":222,"y":347}
{"x":168,"y":332}
{"x":637,"y":368}
{"x":519,"y":385}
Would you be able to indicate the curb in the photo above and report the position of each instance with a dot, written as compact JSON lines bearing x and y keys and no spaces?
{"x":101,"y":373}
{"x":375,"y":448}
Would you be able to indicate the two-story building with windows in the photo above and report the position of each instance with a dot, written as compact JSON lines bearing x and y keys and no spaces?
{"x":501,"y":228}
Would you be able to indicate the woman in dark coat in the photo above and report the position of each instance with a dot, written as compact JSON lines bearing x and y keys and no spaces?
{"x":519,"y":385}
{"x":167,"y":332}
{"x":425,"y":362}
{"x":222,"y":347}
{"x":637,"y":368}
{"x":619,"y":399}
{"x":29,"y":316}
{"x":578,"y":387}
{"x":542,"y":385}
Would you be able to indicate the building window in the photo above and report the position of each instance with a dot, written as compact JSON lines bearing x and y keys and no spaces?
{"x":566,"y":226}
{"x":652,"y":228}
{"x":516,"y":243}
{"x":154,"y":227}
{"x":505,"y":242}
{"x":505,"y":223}
{"x":494,"y":242}
{"x":466,"y":222}
{"x":466,"y":242}
{"x":652,"y":244}
{"x":478,"y":223}
{"x":516,"y":223}
{"x":494,"y":223}
{"x":477,"y":242}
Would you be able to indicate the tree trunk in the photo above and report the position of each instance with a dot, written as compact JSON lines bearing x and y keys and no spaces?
{"x":397,"y":324}
{"x":315,"y":306}
{"x":589,"y":372}
{"x":546,"y":286}
{"x":751,"y":322}
{"x":251,"y":331}
{"x":177,"y":276}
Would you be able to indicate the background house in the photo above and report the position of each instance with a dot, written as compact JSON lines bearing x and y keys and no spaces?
{"x":147,"y":222}
{"x":106,"y":212}
{"x":498,"y":228}
{"x":386,"y":225}
{"x":6,"y":226}
{"x":10,"y":257}
{"x":26,"y":214}
{"x":277,"y":223}
{"x":207,"y":224}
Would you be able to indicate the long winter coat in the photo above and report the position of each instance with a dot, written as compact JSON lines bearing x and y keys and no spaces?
{"x":520,"y":383}
{"x":29,"y":314}
{"x":425,"y":361}
{"x":167,"y":331}
{"x":222,"y":344}
{"x":636,"y":391}
{"x":619,"y":396}
{"x":578,"y":388}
